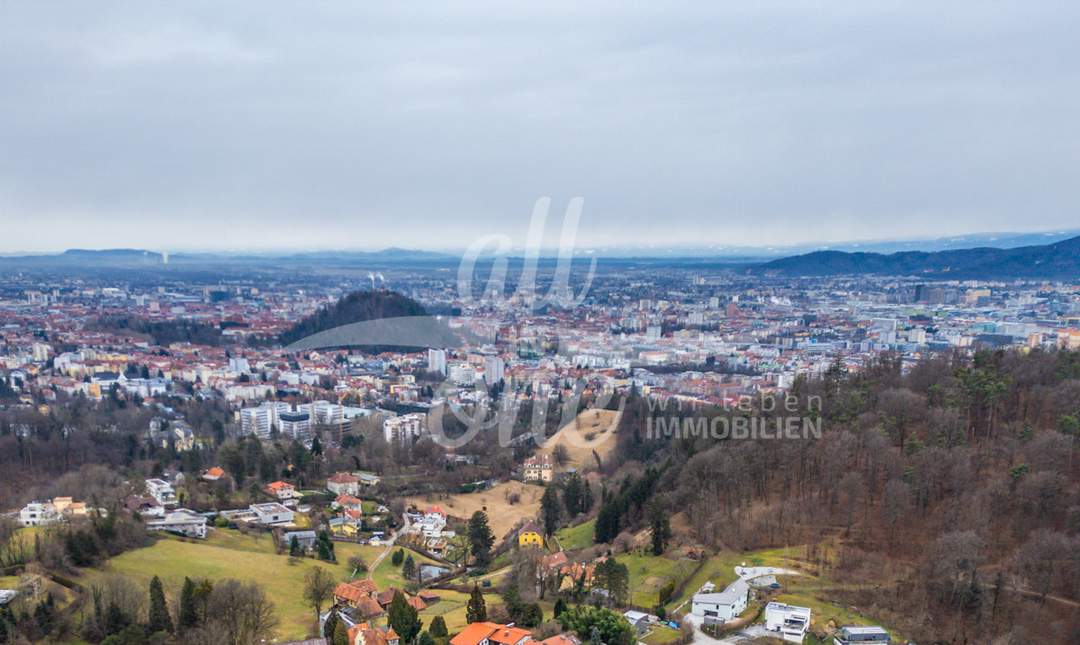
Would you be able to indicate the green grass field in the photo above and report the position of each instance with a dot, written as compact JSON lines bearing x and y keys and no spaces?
{"x":386,"y":574}
{"x":577,"y":537}
{"x":649,"y":573}
{"x":229,"y":554}
{"x":452,"y":608}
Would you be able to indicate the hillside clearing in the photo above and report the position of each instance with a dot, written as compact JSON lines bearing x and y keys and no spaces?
{"x":592,"y":430}
{"x":502,"y":515}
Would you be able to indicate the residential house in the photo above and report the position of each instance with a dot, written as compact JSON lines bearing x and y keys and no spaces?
{"x":491,"y":634}
{"x":368,"y":479}
{"x":433,"y":522}
{"x":365,"y":634}
{"x":213,"y":474}
{"x":144,"y":505}
{"x":180,"y":521}
{"x":789,"y":621}
{"x":343,"y":484}
{"x":162,"y":491}
{"x":530,"y":536}
{"x":539,"y":468}
{"x":638,"y":620}
{"x":272,"y":513}
{"x":281,"y":490}
{"x":360,"y":595}
{"x":718,"y":607}
{"x":860,"y":635}
{"x":561,"y":639}
{"x":38,"y":514}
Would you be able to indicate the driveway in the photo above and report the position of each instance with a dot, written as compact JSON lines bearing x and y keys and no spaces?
{"x":389,"y":545}
{"x":750,"y":573}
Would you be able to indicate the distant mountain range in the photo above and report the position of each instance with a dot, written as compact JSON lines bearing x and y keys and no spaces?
{"x":1001,"y":255}
{"x":1060,"y":260}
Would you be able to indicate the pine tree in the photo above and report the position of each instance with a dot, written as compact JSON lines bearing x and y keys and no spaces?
{"x":403,"y":618}
{"x":661,"y":529}
{"x":189,"y":613}
{"x":408,"y":570}
{"x":560,"y":607}
{"x":438,"y":627}
{"x":159,"y":612}
{"x":294,"y":547}
{"x":481,"y":538}
{"x":549,"y":508}
{"x":397,"y":558}
{"x":476,"y":610}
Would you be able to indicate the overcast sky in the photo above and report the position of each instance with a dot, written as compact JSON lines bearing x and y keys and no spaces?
{"x":244,"y":125}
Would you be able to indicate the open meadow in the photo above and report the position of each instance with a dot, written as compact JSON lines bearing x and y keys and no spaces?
{"x":503,"y":513}
{"x":252,"y":557}
{"x":592,"y":431}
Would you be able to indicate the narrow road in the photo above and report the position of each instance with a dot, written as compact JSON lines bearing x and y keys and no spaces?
{"x":389,"y":545}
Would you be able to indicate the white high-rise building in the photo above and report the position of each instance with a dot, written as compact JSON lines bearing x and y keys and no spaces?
{"x":261,"y":419}
{"x":494,"y":369}
{"x":436,"y":359}
{"x":403,"y":428}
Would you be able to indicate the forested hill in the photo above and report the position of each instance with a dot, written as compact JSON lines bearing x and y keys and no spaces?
{"x":1059,"y":260}
{"x":358,"y":306}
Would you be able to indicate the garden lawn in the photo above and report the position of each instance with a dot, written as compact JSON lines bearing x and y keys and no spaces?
{"x":387,"y":574}
{"x":649,"y":573}
{"x":453,"y":608}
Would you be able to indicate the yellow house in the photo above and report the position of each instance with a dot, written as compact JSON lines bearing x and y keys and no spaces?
{"x":530,"y":536}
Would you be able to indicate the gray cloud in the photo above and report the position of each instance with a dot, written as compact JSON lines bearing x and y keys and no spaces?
{"x":272,"y":124}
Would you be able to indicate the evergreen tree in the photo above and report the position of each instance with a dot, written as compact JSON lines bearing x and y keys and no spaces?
{"x":476,"y":610}
{"x":573,"y":495}
{"x":426,"y":639}
{"x":661,"y":528}
{"x":481,"y":538}
{"x":189,"y":613}
{"x":403,"y":618}
{"x":330,"y":626}
{"x":560,"y":607}
{"x":341,"y":634}
{"x":438,"y":627}
{"x":408,"y":569}
{"x":159,"y":620}
{"x":549,"y":508}
{"x":607,"y":521}
{"x":397,"y":558}
{"x":294,"y":547}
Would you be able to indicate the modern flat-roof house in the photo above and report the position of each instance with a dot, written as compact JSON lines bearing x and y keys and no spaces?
{"x":161,"y":490}
{"x":721,"y":606}
{"x":789,"y":621}
{"x":181,"y":521}
{"x":852,"y":634}
{"x":272,"y":513}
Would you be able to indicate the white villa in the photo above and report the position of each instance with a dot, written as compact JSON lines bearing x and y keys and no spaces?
{"x":180,"y":521}
{"x":789,"y":621}
{"x":722,"y":606}
{"x":162,"y":491}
